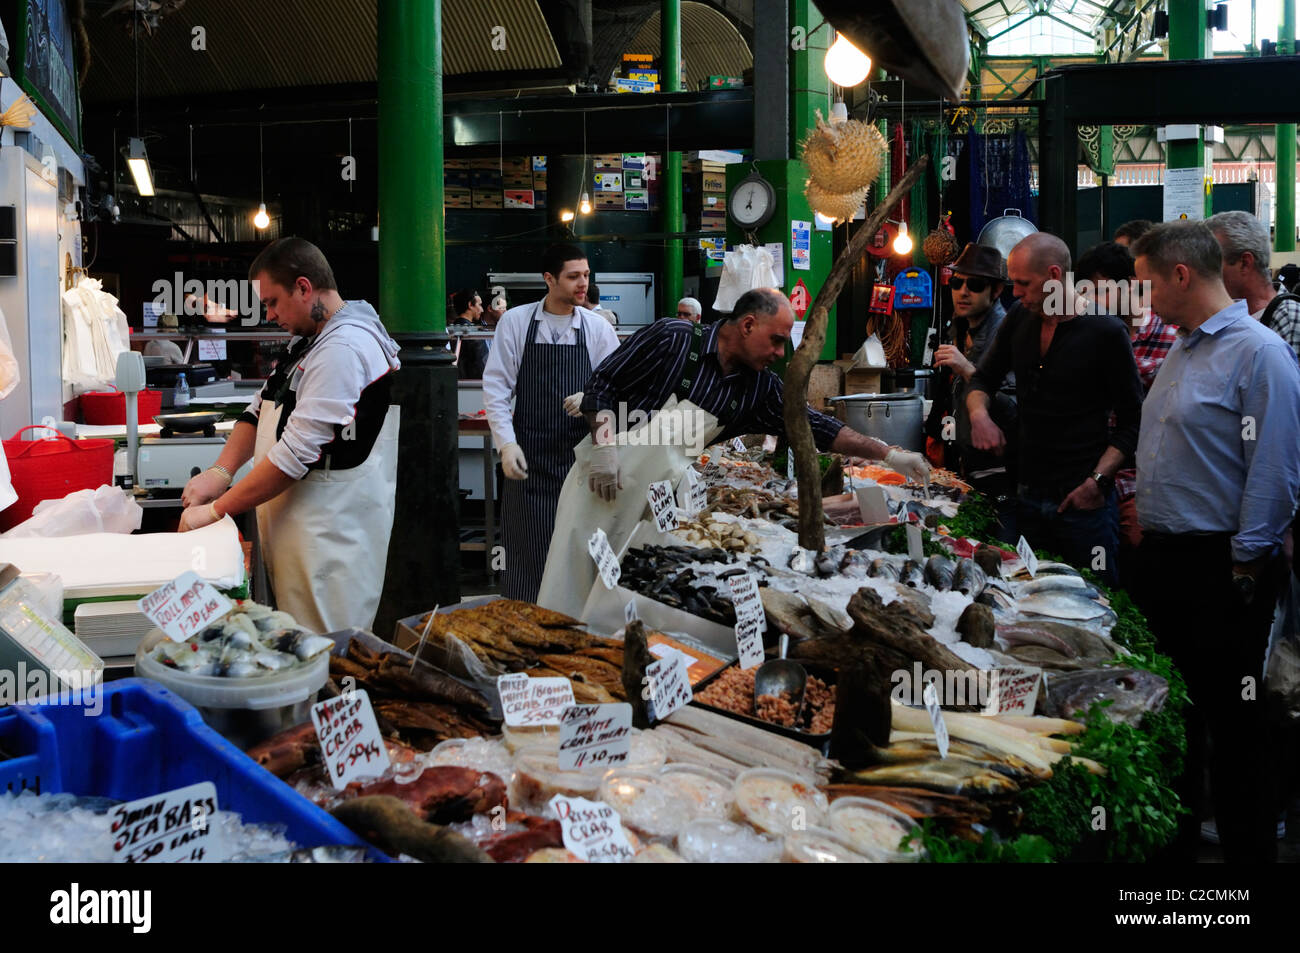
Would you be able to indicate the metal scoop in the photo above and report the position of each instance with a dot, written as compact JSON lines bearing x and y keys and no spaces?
{"x":781,"y":675}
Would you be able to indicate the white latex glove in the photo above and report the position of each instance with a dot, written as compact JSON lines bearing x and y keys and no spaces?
{"x":911,"y":465}
{"x":573,"y":404}
{"x":196,"y":517}
{"x":513,"y":462}
{"x":203,"y":488}
{"x":604,"y":477}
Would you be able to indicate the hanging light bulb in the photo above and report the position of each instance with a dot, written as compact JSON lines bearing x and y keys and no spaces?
{"x":846,"y":65}
{"x":261,"y":219}
{"x":566,"y":216}
{"x":584,"y":206}
{"x":903,"y":242}
{"x":823,"y":221}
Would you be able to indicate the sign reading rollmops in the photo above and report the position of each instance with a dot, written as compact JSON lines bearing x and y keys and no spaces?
{"x":185,"y":606}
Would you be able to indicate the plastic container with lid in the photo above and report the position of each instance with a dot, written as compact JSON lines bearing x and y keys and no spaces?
{"x":538,"y":778}
{"x":777,"y":801}
{"x":817,"y":845}
{"x":708,"y":792}
{"x":244,"y":710}
{"x":712,"y":841}
{"x":645,"y":802}
{"x":873,"y":828}
{"x":481,"y":754}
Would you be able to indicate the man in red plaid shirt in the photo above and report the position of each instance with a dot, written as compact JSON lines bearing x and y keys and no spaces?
{"x":1108,"y":266}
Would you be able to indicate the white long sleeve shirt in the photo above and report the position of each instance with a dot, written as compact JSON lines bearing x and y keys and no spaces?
{"x":502,"y":369}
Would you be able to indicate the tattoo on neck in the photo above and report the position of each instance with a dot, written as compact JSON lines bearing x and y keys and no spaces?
{"x":318,"y":312}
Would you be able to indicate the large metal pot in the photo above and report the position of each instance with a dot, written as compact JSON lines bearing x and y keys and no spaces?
{"x":894,"y":418}
{"x":1006,"y":231}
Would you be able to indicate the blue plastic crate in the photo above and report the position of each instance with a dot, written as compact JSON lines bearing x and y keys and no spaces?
{"x":147,"y":740}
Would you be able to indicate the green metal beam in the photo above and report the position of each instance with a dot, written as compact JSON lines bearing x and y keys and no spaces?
{"x":670,"y":81}
{"x":411,"y":273}
{"x":1284,"y":236}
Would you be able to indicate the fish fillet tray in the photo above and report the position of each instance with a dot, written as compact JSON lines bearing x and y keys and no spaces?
{"x":147,"y":740}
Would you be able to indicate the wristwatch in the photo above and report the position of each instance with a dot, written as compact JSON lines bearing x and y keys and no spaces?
{"x":1104,"y":483}
{"x":1245,"y":585}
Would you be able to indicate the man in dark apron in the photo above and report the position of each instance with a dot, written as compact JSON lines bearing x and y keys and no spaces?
{"x":542,"y":353}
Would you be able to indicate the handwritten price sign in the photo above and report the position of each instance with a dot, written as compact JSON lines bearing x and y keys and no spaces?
{"x":606,"y":562}
{"x":184,"y":606}
{"x":591,"y":830}
{"x":169,"y":828}
{"x":662,"y":505}
{"x":533,"y":701}
{"x":751,"y":621}
{"x":1015,"y":690}
{"x":668,"y":684}
{"x":350,"y":738}
{"x":595,"y":736}
{"x":693,"y":493}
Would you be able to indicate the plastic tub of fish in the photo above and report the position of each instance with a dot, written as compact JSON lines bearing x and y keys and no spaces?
{"x":481,"y":754}
{"x":730,"y":692}
{"x":874,"y":829}
{"x":777,"y":801}
{"x":244,"y":709}
{"x":645,"y":802}
{"x":538,"y":778}
{"x":707,"y":792}
{"x":712,"y":841}
{"x":817,"y":845}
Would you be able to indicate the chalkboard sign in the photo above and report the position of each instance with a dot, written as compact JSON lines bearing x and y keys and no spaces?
{"x":47,"y":67}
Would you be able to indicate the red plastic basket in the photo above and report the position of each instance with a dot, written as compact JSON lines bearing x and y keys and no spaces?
{"x":109,"y":407}
{"x":51,"y":468}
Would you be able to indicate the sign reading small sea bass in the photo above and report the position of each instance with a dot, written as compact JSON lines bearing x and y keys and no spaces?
{"x":175,"y":826}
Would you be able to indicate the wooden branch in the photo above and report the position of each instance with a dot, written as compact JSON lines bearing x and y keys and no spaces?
{"x":798,"y":431}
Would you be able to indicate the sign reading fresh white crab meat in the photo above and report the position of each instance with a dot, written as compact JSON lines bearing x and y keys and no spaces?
{"x":595,"y":736}
{"x":184,"y":606}
{"x":350,"y":740}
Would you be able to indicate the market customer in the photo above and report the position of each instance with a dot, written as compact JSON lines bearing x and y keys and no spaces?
{"x":1072,"y":369}
{"x":323,"y":439}
{"x":1246,"y":248}
{"x":1218,"y":477}
{"x":593,"y":302}
{"x":1108,"y":269}
{"x":719,"y":370}
{"x":1131,"y":231}
{"x":467,"y":306}
{"x":688,"y":309}
{"x":541,"y":353}
{"x":979,"y":275}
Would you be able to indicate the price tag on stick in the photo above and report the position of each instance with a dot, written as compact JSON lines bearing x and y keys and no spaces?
{"x":349,"y":737}
{"x":591,"y":830}
{"x":176,"y":826}
{"x":595,"y":736}
{"x":669,"y":684}
{"x":1027,"y":554}
{"x":751,"y":620}
{"x":529,"y":701}
{"x":662,"y":505}
{"x":936,"y":718}
{"x":694,"y":495}
{"x":185,"y":606}
{"x":606,"y":561}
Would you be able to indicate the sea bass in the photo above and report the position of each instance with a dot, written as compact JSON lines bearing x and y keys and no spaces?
{"x":1068,"y":640}
{"x":911,"y":574}
{"x":1132,"y":694}
{"x":1068,"y":604}
{"x":1055,"y":584}
{"x":969,"y":579}
{"x":939,"y":572}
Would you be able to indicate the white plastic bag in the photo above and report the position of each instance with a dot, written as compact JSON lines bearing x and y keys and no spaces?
{"x":104,"y":510}
{"x":744,"y":268}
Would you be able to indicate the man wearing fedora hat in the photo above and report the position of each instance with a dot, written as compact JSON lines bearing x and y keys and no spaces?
{"x":979,"y":275}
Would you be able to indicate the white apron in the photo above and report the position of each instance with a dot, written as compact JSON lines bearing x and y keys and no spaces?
{"x":570,"y":571}
{"x":325,"y":539}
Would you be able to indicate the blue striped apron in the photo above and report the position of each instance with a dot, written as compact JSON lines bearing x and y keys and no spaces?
{"x":548,"y":373}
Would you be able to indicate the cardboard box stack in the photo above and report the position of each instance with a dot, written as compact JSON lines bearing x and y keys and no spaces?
{"x":494,"y":183}
{"x":639,"y":73}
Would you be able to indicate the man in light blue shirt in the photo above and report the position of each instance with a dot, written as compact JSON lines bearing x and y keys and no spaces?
{"x":1218,"y":476}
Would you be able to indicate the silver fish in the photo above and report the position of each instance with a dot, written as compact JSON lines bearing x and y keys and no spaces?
{"x":939,"y":572}
{"x":911,"y":574}
{"x":1132,"y":693}
{"x":1048,"y":569}
{"x":1070,"y":641}
{"x":882,"y":568}
{"x":302,"y":644}
{"x":1055,"y":584}
{"x":969,"y":579}
{"x":1069,"y":604}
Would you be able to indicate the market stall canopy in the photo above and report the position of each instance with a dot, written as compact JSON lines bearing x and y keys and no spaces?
{"x":923,"y":41}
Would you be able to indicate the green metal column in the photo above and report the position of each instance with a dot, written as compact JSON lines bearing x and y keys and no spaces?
{"x":1285,"y":235}
{"x":670,"y":81}
{"x":423,"y":567}
{"x":410,"y":147}
{"x":809,"y":88}
{"x":1189,"y":39}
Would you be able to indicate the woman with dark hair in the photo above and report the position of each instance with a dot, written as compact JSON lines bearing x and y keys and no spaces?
{"x":467,"y":306}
